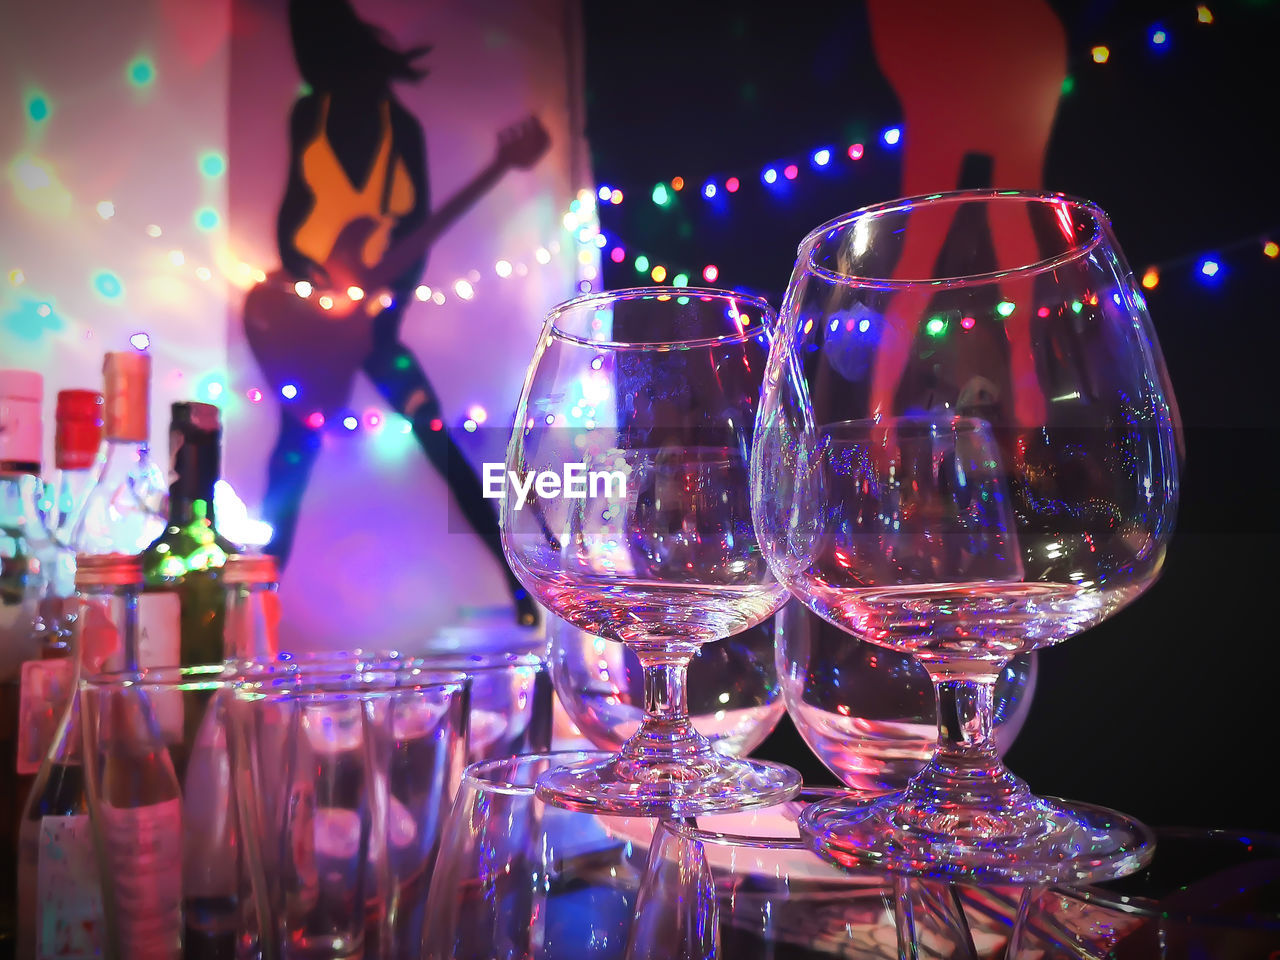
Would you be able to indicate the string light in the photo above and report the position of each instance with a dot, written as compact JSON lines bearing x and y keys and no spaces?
{"x":710,"y":272}
{"x":770,"y":175}
{"x":659,"y":273}
{"x":821,"y":157}
{"x":502,"y":268}
{"x":176,"y":258}
{"x":106,"y":209}
{"x":288,"y":391}
{"x":709,"y":190}
{"x":732,"y":184}
{"x":464,"y":290}
{"x":422,"y":292}
{"x":140,"y":341}
{"x":1270,"y":249}
{"x":1100,"y":54}
{"x":892,"y":136}
{"x":1150,"y":278}
{"x":1203,"y":14}
{"x":677,"y":184}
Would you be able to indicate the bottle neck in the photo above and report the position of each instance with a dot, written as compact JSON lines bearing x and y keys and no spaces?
{"x":186,"y":510}
{"x":20,"y":504}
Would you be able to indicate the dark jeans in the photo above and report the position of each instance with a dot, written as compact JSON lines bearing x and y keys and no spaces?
{"x":398,"y":376}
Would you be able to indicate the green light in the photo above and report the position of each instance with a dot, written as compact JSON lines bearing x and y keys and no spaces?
{"x":1068,"y":84}
{"x":936,"y":327}
{"x":108,"y":285}
{"x":38,"y":107}
{"x":680,"y":280}
{"x":206,"y":218}
{"x":642,"y":264}
{"x":1005,"y":308}
{"x":403,"y":362}
{"x":213,"y":164}
{"x":1076,"y":306}
{"x":660,"y":195}
{"x":304,"y":89}
{"x":141,"y":72}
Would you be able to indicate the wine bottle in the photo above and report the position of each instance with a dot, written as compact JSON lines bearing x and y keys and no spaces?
{"x":77,"y":441}
{"x":186,"y":560}
{"x":23,"y":545}
{"x":123,"y":511}
{"x":59,"y":879}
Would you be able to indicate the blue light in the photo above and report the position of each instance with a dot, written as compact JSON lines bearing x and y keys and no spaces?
{"x":891,"y":136}
{"x":604,"y":193}
{"x":288,"y":391}
{"x":770,"y":175}
{"x":821,"y":157}
{"x":709,"y":190}
{"x":1159,"y":38}
{"x":1210,"y":267}
{"x":350,"y":422}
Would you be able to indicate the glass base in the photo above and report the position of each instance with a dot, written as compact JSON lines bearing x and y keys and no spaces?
{"x":1037,"y":840}
{"x":701,"y":785}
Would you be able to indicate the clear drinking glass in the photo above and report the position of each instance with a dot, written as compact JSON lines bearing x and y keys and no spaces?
{"x":626,"y":512}
{"x":163,"y":812}
{"x":346,"y":779}
{"x":965,"y":461}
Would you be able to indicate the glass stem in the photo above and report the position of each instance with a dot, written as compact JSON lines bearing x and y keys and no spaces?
{"x":966,"y":771}
{"x":667,"y":732}
{"x":966,"y":718}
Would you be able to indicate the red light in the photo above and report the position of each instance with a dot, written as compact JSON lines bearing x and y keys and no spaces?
{"x":855,"y":152}
{"x":732,"y":184}
{"x":791,"y":171}
{"x":315,"y":420}
{"x":254,"y":395}
{"x":437,"y":425}
{"x":1042,"y":312}
{"x":967,"y":322}
{"x":617,"y":254}
{"x":710,"y":272}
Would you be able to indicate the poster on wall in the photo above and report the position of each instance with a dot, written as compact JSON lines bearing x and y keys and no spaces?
{"x":341,"y":221}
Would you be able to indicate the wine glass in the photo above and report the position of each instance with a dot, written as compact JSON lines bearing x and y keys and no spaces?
{"x":626,"y":511}
{"x":967,"y":461}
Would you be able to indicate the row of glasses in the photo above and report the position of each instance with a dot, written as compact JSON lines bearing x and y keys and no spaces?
{"x":286,"y":806}
{"x":960,"y":461}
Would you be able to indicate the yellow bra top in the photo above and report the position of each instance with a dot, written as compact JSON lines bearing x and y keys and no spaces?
{"x":339,"y":202}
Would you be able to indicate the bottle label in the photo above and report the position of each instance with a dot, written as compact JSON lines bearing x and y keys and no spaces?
{"x":69,"y":925}
{"x":144,"y":854}
{"x":159,"y":629}
{"x":45,"y":690}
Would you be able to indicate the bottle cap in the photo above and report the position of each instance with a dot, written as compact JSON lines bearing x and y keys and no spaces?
{"x":78,"y":436}
{"x":21,"y":429}
{"x":126,"y":378}
{"x":108,"y":570}
{"x":195,"y":441}
{"x":250,"y":568}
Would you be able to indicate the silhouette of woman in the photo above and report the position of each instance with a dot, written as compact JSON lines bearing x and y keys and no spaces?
{"x":358,"y":155}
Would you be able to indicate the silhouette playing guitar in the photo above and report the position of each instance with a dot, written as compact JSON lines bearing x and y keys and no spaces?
{"x":353,"y":232}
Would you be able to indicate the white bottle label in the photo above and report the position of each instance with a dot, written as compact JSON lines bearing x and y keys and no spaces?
{"x":144,"y":855}
{"x":46,"y":688}
{"x":69,"y":921}
{"x":159,"y":629}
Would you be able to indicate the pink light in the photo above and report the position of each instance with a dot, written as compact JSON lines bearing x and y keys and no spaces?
{"x":791,"y":171}
{"x":372,"y":420}
{"x":967,"y":322}
{"x":855,"y":151}
{"x":1042,"y":312}
{"x":710,"y":272}
{"x":315,"y":420}
{"x":617,"y":254}
{"x":254,"y":395}
{"x":732,"y":184}
{"x":437,"y":425}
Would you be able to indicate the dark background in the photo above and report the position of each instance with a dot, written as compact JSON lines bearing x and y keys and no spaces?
{"x":1166,"y":711}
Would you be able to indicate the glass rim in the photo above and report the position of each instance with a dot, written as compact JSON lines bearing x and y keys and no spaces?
{"x":353,"y":685}
{"x":487,"y":660}
{"x":658,"y":293}
{"x":209,"y":676}
{"x":474,"y":776}
{"x":1097,"y":215}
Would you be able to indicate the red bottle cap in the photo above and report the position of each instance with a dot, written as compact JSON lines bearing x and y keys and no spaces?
{"x":79,"y":429}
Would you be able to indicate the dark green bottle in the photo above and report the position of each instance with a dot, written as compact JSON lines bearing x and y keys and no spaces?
{"x":187,"y":558}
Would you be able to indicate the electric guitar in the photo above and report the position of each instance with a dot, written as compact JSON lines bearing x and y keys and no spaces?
{"x":318,"y":338}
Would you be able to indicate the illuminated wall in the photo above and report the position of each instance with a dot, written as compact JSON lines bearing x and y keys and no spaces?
{"x":177,"y":114}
